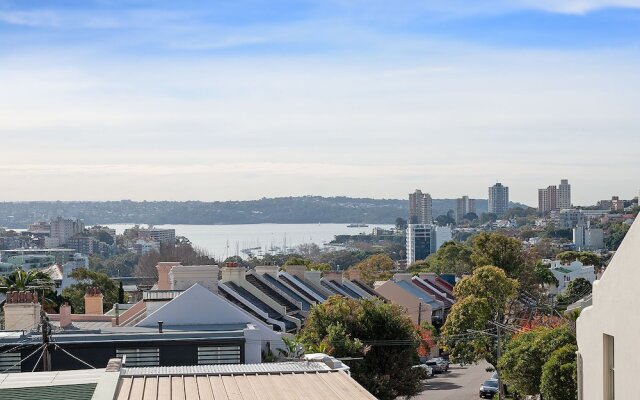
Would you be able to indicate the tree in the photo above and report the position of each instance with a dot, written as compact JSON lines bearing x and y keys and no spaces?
{"x":527,"y":353}
{"x":559,"y":381}
{"x":585,"y":257}
{"x":468,"y":313}
{"x":444,"y":220}
{"x":182,"y":251}
{"x":401,"y":224}
{"x":451,"y":258}
{"x":21,"y":280}
{"x":381,"y":334}
{"x":470,"y":216}
{"x":616,"y":234}
{"x":498,"y":250}
{"x":490,"y":283}
{"x":543,"y":275}
{"x":576,"y":290}
{"x":482,"y":297}
{"x":86,"y":278}
{"x":374,"y":268}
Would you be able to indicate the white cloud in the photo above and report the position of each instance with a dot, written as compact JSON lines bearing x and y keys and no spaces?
{"x":577,"y":6}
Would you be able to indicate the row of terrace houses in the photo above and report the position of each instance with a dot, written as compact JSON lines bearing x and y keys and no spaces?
{"x":200,"y":315}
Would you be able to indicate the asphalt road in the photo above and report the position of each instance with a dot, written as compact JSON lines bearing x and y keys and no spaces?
{"x":460,"y":383}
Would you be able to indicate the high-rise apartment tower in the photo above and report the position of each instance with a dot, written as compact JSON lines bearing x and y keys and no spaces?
{"x":498,"y":199}
{"x":420,"y":208}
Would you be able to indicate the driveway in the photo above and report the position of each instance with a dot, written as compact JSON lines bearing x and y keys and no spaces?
{"x":460,"y":383}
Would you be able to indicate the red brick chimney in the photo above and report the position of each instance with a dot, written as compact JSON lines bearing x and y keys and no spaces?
{"x":163,"y":274}
{"x":93,"y":301}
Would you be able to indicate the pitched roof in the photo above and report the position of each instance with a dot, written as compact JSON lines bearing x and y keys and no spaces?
{"x":309,"y":385}
{"x":82,"y":391}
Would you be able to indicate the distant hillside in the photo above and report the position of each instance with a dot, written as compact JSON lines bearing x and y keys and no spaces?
{"x":307,"y":209}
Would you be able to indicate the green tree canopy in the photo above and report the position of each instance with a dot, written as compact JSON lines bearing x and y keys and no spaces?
{"x":20,"y":280}
{"x":401,"y":224}
{"x":482,"y":297}
{"x":468,"y":313}
{"x":585,"y":257}
{"x":451,"y":258}
{"x":86,"y":278}
{"x":559,"y":380}
{"x":617,"y":232}
{"x":522,"y":363}
{"x":543,"y":275}
{"x":366,"y":328}
{"x":498,"y":250}
{"x":375,"y":267}
{"x":490,"y":283}
{"x":576,"y":290}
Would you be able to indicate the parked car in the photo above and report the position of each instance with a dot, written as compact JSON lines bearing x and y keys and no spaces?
{"x":444,"y":364}
{"x":437,"y":368}
{"x":489,"y":389}
{"x":426,"y":368}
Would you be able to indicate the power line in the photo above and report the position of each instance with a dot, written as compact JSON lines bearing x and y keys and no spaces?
{"x":24,"y":359}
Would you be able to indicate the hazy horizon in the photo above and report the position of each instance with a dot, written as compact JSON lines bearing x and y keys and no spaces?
{"x":242,"y":100}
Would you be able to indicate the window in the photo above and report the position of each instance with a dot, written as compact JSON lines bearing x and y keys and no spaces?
{"x":609,"y":368}
{"x":218,"y":355}
{"x":142,"y":357}
{"x":10,"y":363}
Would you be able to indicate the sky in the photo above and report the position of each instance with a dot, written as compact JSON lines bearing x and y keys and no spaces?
{"x":243,"y":99}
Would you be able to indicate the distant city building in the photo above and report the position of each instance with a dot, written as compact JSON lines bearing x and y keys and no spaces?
{"x":425,"y":239}
{"x":548,"y":199}
{"x":464,"y":206}
{"x":159,"y":235}
{"x":587,"y":238}
{"x":63,"y":229}
{"x":564,"y":194}
{"x":617,"y":204}
{"x":144,"y":246}
{"x":555,"y":198}
{"x":420,"y":208}
{"x":498,"y":199}
{"x":572,"y":217}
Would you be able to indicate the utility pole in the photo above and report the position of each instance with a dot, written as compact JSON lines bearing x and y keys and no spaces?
{"x":46,"y":332}
{"x":499,"y":354}
{"x":419,"y":313}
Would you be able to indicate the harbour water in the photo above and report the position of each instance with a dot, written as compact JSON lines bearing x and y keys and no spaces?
{"x":222,"y":241}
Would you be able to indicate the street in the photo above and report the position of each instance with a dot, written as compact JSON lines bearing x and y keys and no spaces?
{"x":460,"y":383}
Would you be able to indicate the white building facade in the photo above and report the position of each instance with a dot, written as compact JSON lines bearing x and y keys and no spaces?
{"x":607,"y":331}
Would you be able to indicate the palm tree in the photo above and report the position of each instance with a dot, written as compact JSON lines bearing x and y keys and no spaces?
{"x":20,"y":280}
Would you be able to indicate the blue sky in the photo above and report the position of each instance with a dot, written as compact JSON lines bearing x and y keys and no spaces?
{"x":245,"y":99}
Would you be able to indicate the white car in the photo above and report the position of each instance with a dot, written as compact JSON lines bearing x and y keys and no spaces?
{"x":427,"y":368}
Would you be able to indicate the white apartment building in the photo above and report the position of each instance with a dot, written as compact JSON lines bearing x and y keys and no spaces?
{"x":607,"y":331}
{"x":565,"y":273}
{"x":587,"y":238}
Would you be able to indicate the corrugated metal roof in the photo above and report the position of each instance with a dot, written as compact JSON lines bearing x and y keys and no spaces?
{"x":292,"y":386}
{"x":229,"y":369}
{"x":60,"y":392}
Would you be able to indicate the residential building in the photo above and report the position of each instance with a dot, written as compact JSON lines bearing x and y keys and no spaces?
{"x":316,"y":376}
{"x":564,"y":195}
{"x":587,"y":238}
{"x":565,"y":273}
{"x":617,"y":204}
{"x":144,"y":246}
{"x":60,"y":255}
{"x":63,"y":229}
{"x":607,"y":331}
{"x":548,"y":199}
{"x":498,"y":199}
{"x":159,"y":235}
{"x":420,"y":208}
{"x":421,"y":242}
{"x":464,"y":206}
